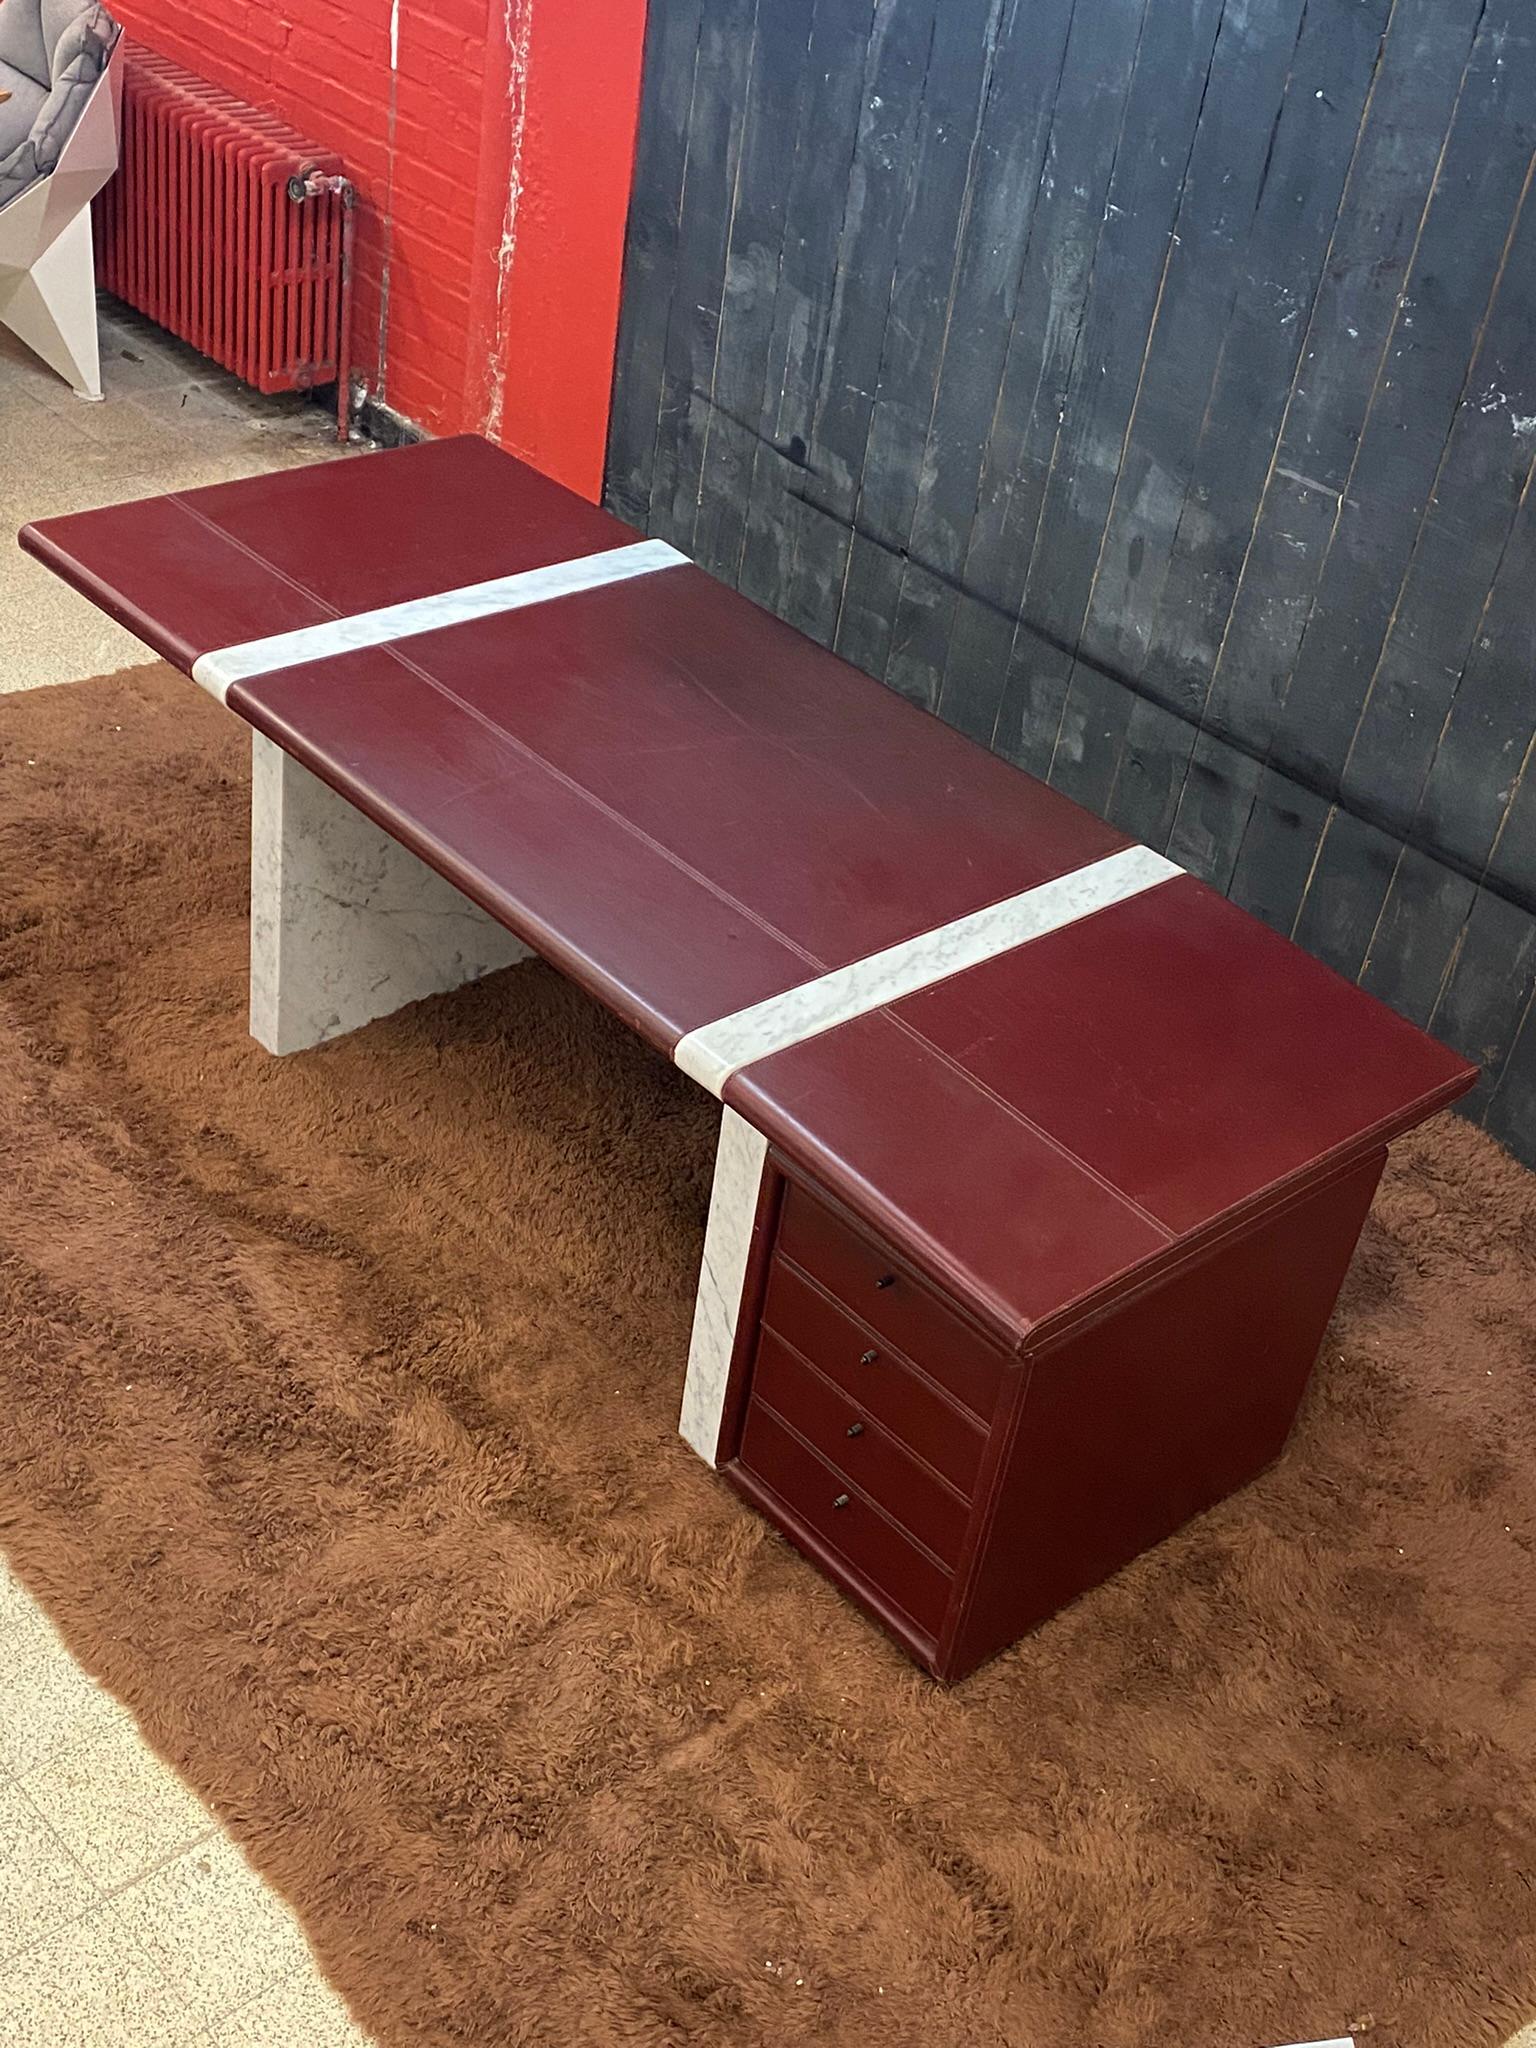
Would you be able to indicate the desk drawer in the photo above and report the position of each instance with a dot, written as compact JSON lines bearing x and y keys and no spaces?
{"x":851,"y":1440}
{"x":884,"y":1386}
{"x":856,"y":1530}
{"x":911,"y":1316}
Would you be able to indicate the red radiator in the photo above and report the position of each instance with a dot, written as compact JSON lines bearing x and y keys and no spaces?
{"x":229,"y":229}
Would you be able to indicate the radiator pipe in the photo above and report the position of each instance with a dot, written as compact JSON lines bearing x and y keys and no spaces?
{"x":310,"y":184}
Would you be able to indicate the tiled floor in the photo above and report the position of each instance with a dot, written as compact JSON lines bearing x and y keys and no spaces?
{"x":169,"y":420}
{"x":127,"y":1919}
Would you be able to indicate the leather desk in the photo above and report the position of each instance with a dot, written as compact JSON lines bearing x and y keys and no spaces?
{"x":1040,"y":1164}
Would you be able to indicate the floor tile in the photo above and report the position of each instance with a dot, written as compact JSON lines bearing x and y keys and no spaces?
{"x":36,"y":463}
{"x":217,"y":1932}
{"x":23,"y":1624}
{"x":170,"y":420}
{"x":47,"y":1705}
{"x":14,"y":394}
{"x":91,"y":1986}
{"x":115,"y":1806}
{"x":137,"y":356}
{"x":41,"y":1884}
{"x":55,"y":636}
{"x":301,"y":2013}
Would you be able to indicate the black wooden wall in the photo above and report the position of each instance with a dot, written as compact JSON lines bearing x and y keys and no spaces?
{"x":1149,"y":388}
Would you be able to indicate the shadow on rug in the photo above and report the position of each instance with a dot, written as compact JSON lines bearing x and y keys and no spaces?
{"x":339,"y":1400}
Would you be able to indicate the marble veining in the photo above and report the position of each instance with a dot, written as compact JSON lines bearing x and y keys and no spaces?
{"x":224,"y":666}
{"x":712,"y":1053}
{"x":346,"y":924}
{"x":739,"y":1165}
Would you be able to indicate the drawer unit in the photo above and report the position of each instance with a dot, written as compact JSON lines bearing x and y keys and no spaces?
{"x":846,"y":1521}
{"x":958,"y":1535}
{"x":861,"y":1448}
{"x":859,"y":1273}
{"x":865,"y":1415}
{"x":885,"y":1385}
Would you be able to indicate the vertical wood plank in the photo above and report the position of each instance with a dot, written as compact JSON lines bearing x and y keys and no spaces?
{"x":1511,"y":1106}
{"x":917,"y":327}
{"x":1408,"y":435}
{"x":1479,"y":763}
{"x":1354,"y":869}
{"x":1254,"y":52}
{"x":1005,"y":187}
{"x":651,"y":253}
{"x":775,"y":116}
{"x":1458,"y":552}
{"x":724,"y":64}
{"x":832,"y":90}
{"x":1314,"y":137}
{"x":1274,"y":862}
{"x":1168,"y":87}
{"x":1485,"y":1003}
{"x":1086,"y":127}
{"x":1416,"y":935}
{"x":837,"y":433}
{"x":1414,"y":99}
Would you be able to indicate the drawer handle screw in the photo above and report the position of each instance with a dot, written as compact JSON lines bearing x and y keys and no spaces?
{"x":886,"y":1280}
{"x":855,"y":1429}
{"x":868,"y":1357}
{"x":841,"y":1501}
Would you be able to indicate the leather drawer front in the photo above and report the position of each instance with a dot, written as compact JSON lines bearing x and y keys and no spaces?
{"x":870,"y":1456}
{"x":901,"y":1309}
{"x":885,"y":1387}
{"x":857,"y":1531}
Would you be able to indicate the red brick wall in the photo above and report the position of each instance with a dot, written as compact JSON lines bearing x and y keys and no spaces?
{"x":491,"y":143}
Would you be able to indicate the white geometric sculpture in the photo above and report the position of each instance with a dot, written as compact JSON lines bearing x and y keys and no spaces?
{"x":47,"y":264}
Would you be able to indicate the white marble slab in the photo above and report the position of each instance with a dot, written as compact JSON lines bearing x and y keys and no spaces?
{"x":713,"y":1052}
{"x":346,"y":924}
{"x":224,"y":666}
{"x":739,"y":1164}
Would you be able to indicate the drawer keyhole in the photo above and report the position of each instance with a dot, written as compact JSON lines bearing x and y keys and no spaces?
{"x":869,"y":1357}
{"x":855,"y":1429}
{"x":886,"y":1280}
{"x":841,"y":1501}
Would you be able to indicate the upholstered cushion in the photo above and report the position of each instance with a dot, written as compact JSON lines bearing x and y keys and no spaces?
{"x":55,"y":19}
{"x":18,"y":112}
{"x":79,"y":40}
{"x":22,"y":44}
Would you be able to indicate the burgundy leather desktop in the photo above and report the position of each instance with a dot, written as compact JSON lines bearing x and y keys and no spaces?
{"x":688,"y":807}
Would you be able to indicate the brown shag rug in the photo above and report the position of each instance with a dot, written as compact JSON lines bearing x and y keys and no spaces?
{"x":338,"y":1399}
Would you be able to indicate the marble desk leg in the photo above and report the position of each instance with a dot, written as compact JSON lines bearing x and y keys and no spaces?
{"x":346,"y":925}
{"x":727,"y":1241}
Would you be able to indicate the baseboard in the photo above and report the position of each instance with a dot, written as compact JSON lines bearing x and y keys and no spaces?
{"x":380,"y":423}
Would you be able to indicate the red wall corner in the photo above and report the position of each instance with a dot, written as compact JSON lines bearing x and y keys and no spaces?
{"x":492,"y":143}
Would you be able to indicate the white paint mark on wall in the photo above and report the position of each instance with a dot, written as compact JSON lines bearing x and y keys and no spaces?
{"x":517,"y":26}
{"x":1307,"y":483}
{"x":379,"y":382}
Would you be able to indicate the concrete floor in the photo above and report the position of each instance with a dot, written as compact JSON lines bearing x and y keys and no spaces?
{"x":169,"y":421}
{"x":127,"y":1918}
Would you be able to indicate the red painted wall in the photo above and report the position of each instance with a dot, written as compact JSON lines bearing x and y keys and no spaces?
{"x":491,"y":142}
